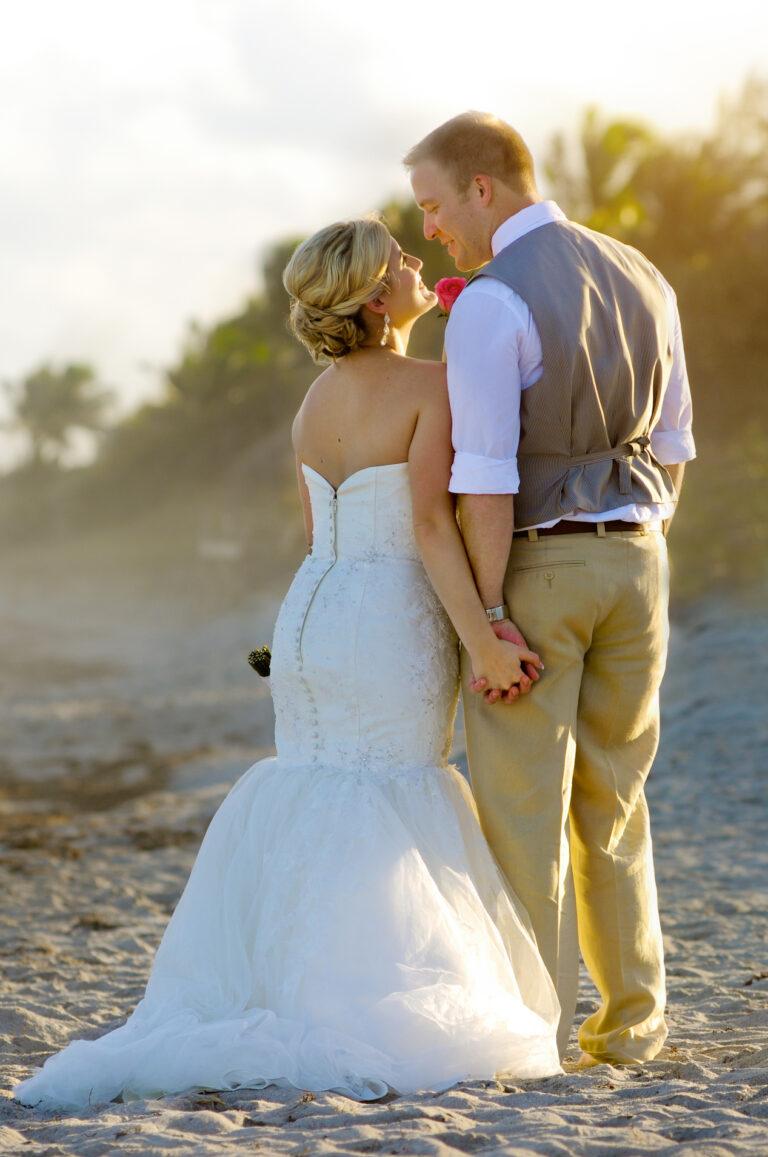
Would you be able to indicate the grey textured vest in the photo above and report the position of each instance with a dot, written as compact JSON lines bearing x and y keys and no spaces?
{"x":603,"y":320}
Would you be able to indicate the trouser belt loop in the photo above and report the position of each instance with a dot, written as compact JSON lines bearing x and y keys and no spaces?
{"x":533,"y":536}
{"x":601,"y":530}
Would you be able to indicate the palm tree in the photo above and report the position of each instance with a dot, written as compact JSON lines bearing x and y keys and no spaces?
{"x":48,"y":404}
{"x":598,"y":185}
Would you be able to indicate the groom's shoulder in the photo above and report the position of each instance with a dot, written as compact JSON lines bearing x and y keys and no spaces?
{"x":617,"y":245}
{"x":487,"y":305}
{"x":484,"y":290}
{"x":639,"y":260}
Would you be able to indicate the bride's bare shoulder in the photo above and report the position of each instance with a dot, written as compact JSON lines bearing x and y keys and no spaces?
{"x":299,"y":419}
{"x":427,"y":378}
{"x":423,"y":371}
{"x":320,"y":383}
{"x":314,"y":395}
{"x":425,"y":365}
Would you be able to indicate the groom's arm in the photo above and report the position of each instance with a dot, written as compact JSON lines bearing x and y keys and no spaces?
{"x":672,"y":437}
{"x":492,"y":349}
{"x":676,"y":472}
{"x":487,"y":522}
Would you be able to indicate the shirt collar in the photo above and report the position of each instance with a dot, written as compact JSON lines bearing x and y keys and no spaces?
{"x":516,"y":226}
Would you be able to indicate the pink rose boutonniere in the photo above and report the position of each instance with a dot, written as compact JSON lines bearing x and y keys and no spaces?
{"x":447,"y":290}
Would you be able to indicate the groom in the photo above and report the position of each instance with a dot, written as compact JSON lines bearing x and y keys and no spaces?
{"x":571,"y":426}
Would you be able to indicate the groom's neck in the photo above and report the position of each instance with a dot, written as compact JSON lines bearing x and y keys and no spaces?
{"x":509,"y":203}
{"x":505,"y":205}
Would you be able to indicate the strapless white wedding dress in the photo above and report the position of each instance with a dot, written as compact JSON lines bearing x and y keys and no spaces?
{"x":345,"y":925}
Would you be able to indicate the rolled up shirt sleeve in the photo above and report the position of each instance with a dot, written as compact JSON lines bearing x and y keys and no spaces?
{"x":478,"y":474}
{"x":481,"y":345}
{"x":672,"y":436}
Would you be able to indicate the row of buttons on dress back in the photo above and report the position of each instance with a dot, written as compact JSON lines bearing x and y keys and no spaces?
{"x":309,"y":699}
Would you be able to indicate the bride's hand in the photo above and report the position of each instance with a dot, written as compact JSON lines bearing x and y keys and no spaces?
{"x":498,"y":666}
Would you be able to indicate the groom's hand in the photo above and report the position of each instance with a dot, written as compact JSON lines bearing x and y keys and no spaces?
{"x":506,"y":629}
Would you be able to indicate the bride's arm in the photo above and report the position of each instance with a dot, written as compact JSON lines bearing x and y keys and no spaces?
{"x":440,"y":542}
{"x":306,"y":505}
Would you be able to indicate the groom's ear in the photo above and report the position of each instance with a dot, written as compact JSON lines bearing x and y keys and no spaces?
{"x":481,"y":187}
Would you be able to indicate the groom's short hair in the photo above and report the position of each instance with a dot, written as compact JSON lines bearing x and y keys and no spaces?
{"x":477,"y":142}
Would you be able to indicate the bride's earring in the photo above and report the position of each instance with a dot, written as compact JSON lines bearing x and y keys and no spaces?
{"x":385,"y":332}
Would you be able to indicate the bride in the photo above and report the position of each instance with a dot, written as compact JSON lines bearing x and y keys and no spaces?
{"x":345,"y":926}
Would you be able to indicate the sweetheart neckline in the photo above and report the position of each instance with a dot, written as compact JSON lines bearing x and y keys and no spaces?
{"x":354,"y":474}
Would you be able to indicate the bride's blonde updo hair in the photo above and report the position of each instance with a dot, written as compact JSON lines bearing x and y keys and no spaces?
{"x":329,"y":279}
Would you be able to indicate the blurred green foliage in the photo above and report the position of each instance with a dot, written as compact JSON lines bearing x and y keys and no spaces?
{"x":216,"y":445}
{"x":49,"y":404}
{"x":698,"y":207}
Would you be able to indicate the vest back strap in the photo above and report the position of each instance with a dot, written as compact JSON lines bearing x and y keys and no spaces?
{"x":622,"y":454}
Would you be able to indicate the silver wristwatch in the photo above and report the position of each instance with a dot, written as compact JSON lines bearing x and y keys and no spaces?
{"x":496,"y":614}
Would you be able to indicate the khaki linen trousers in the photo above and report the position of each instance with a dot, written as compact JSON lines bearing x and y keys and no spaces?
{"x":559,"y":775}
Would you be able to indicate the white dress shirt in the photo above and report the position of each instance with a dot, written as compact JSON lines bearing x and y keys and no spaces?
{"x":493,"y":350}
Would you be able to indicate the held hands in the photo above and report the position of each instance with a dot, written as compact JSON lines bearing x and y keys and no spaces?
{"x":508,"y":671}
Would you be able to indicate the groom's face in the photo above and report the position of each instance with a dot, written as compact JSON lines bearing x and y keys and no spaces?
{"x":454,"y":217}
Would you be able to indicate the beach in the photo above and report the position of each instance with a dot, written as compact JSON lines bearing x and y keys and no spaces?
{"x":129,"y":710}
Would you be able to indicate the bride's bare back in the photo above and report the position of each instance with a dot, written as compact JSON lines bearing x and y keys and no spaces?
{"x":362,"y":411}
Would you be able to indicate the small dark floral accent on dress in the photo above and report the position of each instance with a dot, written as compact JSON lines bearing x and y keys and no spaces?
{"x":260,"y":660}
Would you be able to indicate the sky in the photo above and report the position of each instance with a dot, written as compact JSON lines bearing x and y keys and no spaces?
{"x":151,"y":151}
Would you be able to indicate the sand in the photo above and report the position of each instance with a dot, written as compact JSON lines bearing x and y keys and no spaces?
{"x":127,"y":715}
